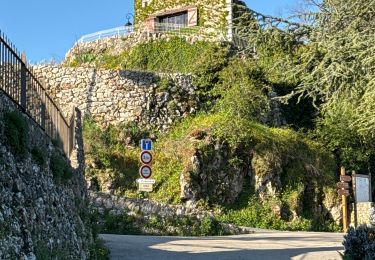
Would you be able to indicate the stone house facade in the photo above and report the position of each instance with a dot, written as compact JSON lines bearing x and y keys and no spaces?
{"x":211,"y":14}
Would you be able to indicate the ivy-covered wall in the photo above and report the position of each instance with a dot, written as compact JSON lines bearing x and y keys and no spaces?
{"x":211,"y":13}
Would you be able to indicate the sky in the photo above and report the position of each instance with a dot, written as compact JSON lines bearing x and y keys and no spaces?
{"x":47,"y":29}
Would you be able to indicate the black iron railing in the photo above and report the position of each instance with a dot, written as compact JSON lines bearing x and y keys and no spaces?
{"x":19,"y":83}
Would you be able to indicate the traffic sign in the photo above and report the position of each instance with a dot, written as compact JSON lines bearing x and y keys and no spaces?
{"x":146,"y":144}
{"x":145,"y":171}
{"x":345,"y":178}
{"x":149,"y":181}
{"x":146,"y":157}
{"x":343,"y":192}
{"x":145,"y":187}
{"x":342,"y":185}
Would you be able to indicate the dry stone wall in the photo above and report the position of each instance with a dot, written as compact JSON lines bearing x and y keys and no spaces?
{"x":112,"y":46}
{"x":114,"y":97}
{"x":145,"y":209}
{"x":40,"y":217}
{"x":360,"y":214}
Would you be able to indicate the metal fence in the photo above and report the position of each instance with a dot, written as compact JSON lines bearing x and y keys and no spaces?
{"x":18,"y":82}
{"x":156,"y":28}
{"x":114,"y":32}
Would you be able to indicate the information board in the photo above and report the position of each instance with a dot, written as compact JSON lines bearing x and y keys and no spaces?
{"x":362,"y":188}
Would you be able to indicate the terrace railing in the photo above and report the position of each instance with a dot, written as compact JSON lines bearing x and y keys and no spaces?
{"x":156,"y":28}
{"x":114,"y":32}
{"x":19,"y":83}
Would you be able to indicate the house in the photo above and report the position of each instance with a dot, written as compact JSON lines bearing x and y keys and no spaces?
{"x":165,"y":14}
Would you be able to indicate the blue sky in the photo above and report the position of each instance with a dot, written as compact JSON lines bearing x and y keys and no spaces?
{"x":46,"y":29}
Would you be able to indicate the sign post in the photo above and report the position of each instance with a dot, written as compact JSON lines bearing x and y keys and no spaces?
{"x":145,"y":183}
{"x":343,"y":190}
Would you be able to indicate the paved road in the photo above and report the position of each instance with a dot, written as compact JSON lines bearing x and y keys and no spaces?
{"x":260,"y":245}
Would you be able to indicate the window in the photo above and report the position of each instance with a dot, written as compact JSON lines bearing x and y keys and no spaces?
{"x":177,"y":18}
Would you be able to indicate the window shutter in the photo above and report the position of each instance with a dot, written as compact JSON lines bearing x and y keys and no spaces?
{"x":150,"y":24}
{"x":193,"y":17}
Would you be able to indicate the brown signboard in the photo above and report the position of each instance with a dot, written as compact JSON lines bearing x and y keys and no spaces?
{"x":342,"y":185}
{"x":343,"y":192}
{"x":345,"y":178}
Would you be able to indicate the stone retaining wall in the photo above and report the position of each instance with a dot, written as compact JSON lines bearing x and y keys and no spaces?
{"x":38,"y":215}
{"x":145,"y":209}
{"x":113,"y":97}
{"x":363,"y":213}
{"x":120,"y":205}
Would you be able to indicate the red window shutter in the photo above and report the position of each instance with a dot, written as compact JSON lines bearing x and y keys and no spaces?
{"x":150,"y":24}
{"x":193,"y":17}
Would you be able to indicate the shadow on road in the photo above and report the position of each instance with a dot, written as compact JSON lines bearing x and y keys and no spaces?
{"x":298,"y":246}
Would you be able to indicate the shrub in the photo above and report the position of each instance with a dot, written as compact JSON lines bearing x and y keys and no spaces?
{"x":87,"y":57}
{"x":359,"y":243}
{"x":243,"y":91}
{"x":98,"y":251}
{"x":60,"y":168}
{"x":38,"y":155}
{"x":121,"y":224}
{"x":16,"y":132}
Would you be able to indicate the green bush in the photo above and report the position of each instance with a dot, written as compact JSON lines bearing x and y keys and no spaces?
{"x":243,"y":91}
{"x":359,"y":243}
{"x":174,"y":55}
{"x":16,"y":132}
{"x":121,"y":224}
{"x":113,"y":153}
{"x":42,"y":252}
{"x":60,"y":168}
{"x":185,"y":226}
{"x":87,"y":57}
{"x":99,"y":251}
{"x":38,"y":155}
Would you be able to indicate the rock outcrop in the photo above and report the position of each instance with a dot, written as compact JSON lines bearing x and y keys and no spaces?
{"x":209,"y":174}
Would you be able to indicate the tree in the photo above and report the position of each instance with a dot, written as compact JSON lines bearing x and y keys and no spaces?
{"x":337,"y":70}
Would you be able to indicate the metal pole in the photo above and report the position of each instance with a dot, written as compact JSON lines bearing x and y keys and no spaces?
{"x":344,"y":206}
{"x":23,"y":87}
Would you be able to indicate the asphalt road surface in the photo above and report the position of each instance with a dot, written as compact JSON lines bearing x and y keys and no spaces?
{"x":260,"y":245}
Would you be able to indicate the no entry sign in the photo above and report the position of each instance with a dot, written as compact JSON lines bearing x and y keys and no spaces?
{"x":146,"y":157}
{"x":145,"y":171}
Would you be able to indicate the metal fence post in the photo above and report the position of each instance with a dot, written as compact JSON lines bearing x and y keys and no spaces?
{"x":23,"y":87}
{"x":43,"y":116}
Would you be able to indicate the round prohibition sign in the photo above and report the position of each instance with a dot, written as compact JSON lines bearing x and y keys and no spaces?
{"x":145,"y":171}
{"x":146,"y":157}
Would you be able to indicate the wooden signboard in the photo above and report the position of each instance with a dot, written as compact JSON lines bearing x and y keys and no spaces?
{"x":343,"y":192}
{"x":342,"y":185}
{"x":345,"y":178}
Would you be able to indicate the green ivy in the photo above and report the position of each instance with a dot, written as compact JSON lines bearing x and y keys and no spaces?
{"x":207,"y":10}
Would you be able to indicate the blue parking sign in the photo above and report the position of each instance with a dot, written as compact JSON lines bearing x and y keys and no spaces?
{"x":146,"y":144}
